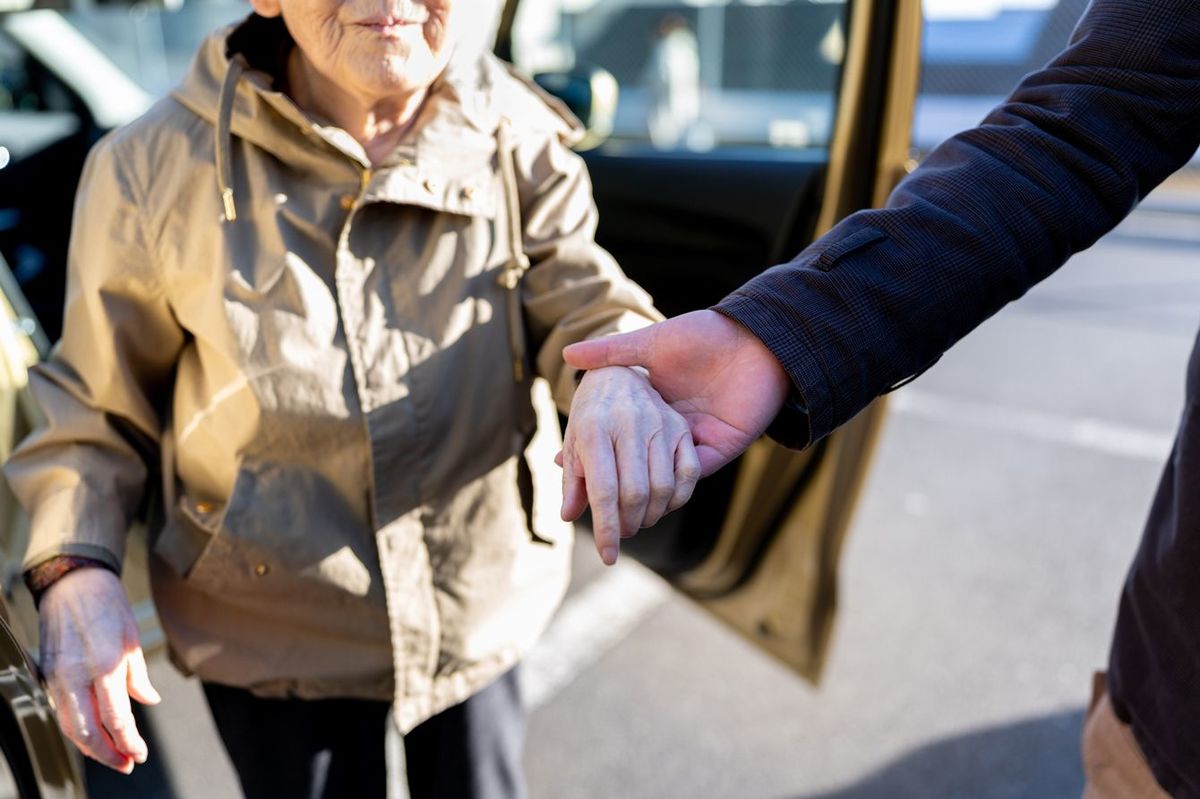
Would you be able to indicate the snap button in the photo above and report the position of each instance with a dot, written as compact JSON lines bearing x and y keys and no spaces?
{"x":468,"y":193}
{"x":347,"y":202}
{"x":430,"y":185}
{"x":261,"y":570}
{"x":204,"y":506}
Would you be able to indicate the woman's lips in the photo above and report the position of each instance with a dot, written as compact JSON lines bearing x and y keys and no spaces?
{"x":394,"y":16}
{"x":388,"y":27}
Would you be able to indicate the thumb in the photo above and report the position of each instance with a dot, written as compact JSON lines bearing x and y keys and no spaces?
{"x":139,"y":679}
{"x":625,"y":349}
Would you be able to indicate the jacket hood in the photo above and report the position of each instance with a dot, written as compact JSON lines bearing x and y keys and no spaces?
{"x":235,"y":84}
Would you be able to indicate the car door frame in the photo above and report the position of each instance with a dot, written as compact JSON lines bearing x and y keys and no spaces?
{"x":773,"y":574}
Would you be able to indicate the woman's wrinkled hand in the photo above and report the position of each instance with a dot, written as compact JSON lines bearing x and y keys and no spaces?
{"x":93,"y":664}
{"x":626,"y":453}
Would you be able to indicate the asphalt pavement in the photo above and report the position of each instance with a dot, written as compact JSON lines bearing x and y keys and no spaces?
{"x":979,"y":587}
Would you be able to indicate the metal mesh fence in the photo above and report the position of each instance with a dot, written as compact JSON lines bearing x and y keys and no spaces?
{"x":772,"y":47}
{"x":969,"y":66}
{"x":1043,"y":35}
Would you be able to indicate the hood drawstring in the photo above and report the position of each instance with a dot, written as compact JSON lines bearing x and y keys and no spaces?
{"x":222,"y":135}
{"x":518,"y":263}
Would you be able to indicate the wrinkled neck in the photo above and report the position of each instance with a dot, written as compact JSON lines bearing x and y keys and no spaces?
{"x":377,"y":124}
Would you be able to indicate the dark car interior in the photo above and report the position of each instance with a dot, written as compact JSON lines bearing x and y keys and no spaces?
{"x":37,"y":187}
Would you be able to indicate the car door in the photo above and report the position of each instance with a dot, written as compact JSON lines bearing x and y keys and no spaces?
{"x":36,"y":762}
{"x":741,"y":132}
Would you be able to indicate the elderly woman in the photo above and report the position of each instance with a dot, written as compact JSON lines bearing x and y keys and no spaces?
{"x":308,"y":294}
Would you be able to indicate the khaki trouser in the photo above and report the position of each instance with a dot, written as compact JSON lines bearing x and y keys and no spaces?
{"x":1112,"y":761}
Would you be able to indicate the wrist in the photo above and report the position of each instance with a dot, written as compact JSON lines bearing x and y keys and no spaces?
{"x":775,"y":382}
{"x":41,"y":577}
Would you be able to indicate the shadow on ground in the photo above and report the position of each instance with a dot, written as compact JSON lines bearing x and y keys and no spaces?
{"x":1035,"y":759}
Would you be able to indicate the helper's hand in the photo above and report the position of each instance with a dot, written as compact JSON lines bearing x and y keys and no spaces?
{"x":710,"y":369}
{"x":93,"y":664}
{"x":627,"y":453}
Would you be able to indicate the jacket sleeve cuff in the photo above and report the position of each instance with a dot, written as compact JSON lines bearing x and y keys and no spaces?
{"x":806,"y":416}
{"x":792,"y":428}
{"x":77,"y":522}
{"x":92,"y":552}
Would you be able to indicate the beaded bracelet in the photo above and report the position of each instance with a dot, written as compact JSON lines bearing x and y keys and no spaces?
{"x":47,"y":573}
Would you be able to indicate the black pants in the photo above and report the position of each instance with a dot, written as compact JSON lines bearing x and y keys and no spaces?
{"x":334,"y":748}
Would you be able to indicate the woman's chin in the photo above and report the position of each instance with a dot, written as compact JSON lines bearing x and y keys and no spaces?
{"x":388,"y":73}
{"x":407,"y":73}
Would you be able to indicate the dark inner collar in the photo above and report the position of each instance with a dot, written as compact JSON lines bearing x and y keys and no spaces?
{"x":265,"y":43}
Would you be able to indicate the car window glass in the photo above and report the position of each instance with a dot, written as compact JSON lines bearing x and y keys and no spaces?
{"x":698,"y":76}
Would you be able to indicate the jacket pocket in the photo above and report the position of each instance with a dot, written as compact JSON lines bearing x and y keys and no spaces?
{"x":191,"y":531}
{"x":860,"y":239}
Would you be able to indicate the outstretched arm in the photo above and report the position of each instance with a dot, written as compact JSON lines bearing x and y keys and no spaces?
{"x":990,"y":213}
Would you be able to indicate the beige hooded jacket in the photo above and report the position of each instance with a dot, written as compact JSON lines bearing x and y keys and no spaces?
{"x":316,"y":356}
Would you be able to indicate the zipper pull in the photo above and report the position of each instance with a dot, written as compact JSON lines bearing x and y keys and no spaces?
{"x":509,"y":278}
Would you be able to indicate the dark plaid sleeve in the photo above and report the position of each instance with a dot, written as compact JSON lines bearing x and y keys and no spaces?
{"x":990,"y":213}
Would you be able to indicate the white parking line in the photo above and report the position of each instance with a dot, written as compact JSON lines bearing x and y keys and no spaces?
{"x":1082,"y":432}
{"x":590,"y":623}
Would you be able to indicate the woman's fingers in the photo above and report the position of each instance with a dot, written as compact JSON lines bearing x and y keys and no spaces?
{"x":600,"y":477}
{"x":139,"y":679}
{"x":633,"y":482}
{"x":630,"y":481}
{"x":687,"y":472}
{"x":575,"y":498}
{"x":660,"y":457}
{"x":79,"y":718}
{"x":116,"y":713}
{"x":627,"y":454}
